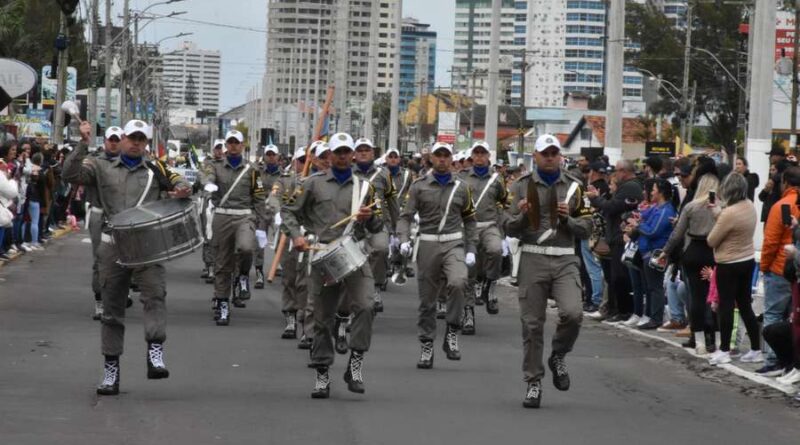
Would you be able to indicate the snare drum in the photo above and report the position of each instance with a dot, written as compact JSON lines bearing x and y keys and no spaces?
{"x":338,"y":260}
{"x":157,"y":231}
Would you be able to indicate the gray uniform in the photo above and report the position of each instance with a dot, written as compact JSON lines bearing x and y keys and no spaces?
{"x":120,"y":188}
{"x":96,"y":221}
{"x":550,"y":269}
{"x":320,"y":202}
{"x":402,"y":184}
{"x":208,"y":248}
{"x":440,"y":259}
{"x":379,"y":242}
{"x":235,"y":220}
{"x":268,"y":180}
{"x":295,"y":289}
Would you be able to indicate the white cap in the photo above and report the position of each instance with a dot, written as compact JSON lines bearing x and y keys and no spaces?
{"x":380,"y":161}
{"x":482,"y":144}
{"x":114,"y":131}
{"x":218,"y":142}
{"x":320,"y":148}
{"x":147,"y":148}
{"x":392,"y":150}
{"x":137,"y":126}
{"x":441,"y":146}
{"x":236,"y":134}
{"x":364,"y":141}
{"x":546,"y":141}
{"x":340,"y":140}
{"x":271,"y":149}
{"x":458,"y":157}
{"x":299,"y":153}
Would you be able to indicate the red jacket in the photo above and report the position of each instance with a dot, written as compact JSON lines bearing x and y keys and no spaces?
{"x":776,"y":235}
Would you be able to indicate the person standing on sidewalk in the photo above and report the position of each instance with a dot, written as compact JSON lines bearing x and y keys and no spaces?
{"x":549,"y":210}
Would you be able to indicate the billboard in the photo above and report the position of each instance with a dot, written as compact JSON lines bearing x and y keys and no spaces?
{"x":49,"y":86}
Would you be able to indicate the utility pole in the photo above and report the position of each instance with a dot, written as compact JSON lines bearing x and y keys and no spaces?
{"x":687,"y":52}
{"x":472,"y":111}
{"x":109,"y":62}
{"x":795,"y":60}
{"x":372,"y":67}
{"x":691,"y":114}
{"x":61,"y":91}
{"x":436,"y":95}
{"x":123,"y":83}
{"x":521,"y":130}
{"x":394,"y":115}
{"x":421,"y":107}
{"x":658,"y":98}
{"x":616,"y":61}
{"x":94,"y":14}
{"x":490,"y":125}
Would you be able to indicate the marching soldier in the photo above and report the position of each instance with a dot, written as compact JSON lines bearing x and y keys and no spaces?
{"x":239,"y":207}
{"x":95,"y":217}
{"x":490,"y":198}
{"x":401,"y":181}
{"x":208,"y":249}
{"x":324,"y":199}
{"x":378,"y":243}
{"x":322,"y":157}
{"x":123,"y":183}
{"x":548,"y":212}
{"x":270,"y":172}
{"x":444,"y":204}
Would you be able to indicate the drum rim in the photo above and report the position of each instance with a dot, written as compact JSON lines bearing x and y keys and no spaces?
{"x":162,"y":258}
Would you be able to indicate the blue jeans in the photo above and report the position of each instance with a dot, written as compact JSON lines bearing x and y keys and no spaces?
{"x":677,"y":299}
{"x":637,"y":284}
{"x":595,"y":273}
{"x":33,"y":213}
{"x":2,"y":240}
{"x":777,"y":297}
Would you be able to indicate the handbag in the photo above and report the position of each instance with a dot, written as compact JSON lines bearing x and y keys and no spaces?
{"x":6,"y":217}
{"x":631,"y":256}
{"x":601,"y":248}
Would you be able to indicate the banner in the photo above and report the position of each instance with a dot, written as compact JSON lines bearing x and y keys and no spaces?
{"x":659,"y":149}
{"x":50,"y":86}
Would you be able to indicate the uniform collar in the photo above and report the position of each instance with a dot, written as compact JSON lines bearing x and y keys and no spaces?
{"x":534,"y":174}
{"x":330,"y":178}
{"x":117,"y":162}
{"x":472,"y":172}
{"x":432,"y":179}
{"x":228,"y":164}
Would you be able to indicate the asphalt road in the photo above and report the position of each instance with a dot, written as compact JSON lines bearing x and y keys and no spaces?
{"x":242,"y":384}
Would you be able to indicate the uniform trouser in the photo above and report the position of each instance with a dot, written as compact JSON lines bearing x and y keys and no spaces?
{"x":208,"y":253}
{"x":295,"y":291}
{"x":436,"y":262}
{"x":355,"y":289}
{"x":95,"y":230}
{"x":234,"y":241}
{"x":542,"y":277}
{"x":259,"y":260}
{"x":115,"y":281}
{"x":489,"y":259}
{"x":378,"y":254}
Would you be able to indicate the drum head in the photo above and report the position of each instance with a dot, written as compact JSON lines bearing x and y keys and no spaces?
{"x":150,"y":212}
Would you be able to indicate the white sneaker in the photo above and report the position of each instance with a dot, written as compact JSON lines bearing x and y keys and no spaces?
{"x":632,"y":321}
{"x":791,"y":378}
{"x":643,"y":321}
{"x":36,"y":247}
{"x":596,"y":315}
{"x":720,"y":358}
{"x":26,"y":247}
{"x":701,"y":350}
{"x":752,"y":357}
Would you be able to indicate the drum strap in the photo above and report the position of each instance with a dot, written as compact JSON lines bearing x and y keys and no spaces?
{"x":233,"y":186}
{"x":403,"y":188}
{"x":447,"y":209}
{"x":485,"y":189}
{"x":150,"y":175}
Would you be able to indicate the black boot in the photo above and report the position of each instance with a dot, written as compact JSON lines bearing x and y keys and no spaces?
{"x":322,"y":386}
{"x":478,"y":289}
{"x":353,"y":375}
{"x":426,"y":355}
{"x":340,"y":328}
{"x":204,"y":273}
{"x":215,"y":308}
{"x":377,"y":300}
{"x":259,"y":278}
{"x":410,"y":272}
{"x":290,"y":331}
{"x":441,"y":310}
{"x":155,"y":362}
{"x":305,"y":342}
{"x":559,"y":369}
{"x":243,"y":291}
{"x":98,"y":309}
{"x":468,"y":322}
{"x":490,"y":297}
{"x":224,"y":313}
{"x":110,"y":384}
{"x":450,"y":343}
{"x":533,"y":395}
{"x":210,"y":277}
{"x":711,"y":341}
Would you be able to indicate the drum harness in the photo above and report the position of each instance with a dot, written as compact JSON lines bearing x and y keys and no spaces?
{"x":106,"y":237}
{"x":219,"y":209}
{"x":485,"y":224}
{"x":439,"y":237}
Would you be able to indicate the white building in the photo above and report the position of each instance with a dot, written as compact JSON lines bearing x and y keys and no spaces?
{"x":192,"y":75}
{"x":471,"y":50}
{"x":675,"y":10}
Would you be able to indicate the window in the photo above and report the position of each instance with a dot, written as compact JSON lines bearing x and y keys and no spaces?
{"x":585,"y":17}
{"x":585,"y":4}
{"x":583,"y":41}
{"x":632,"y":80}
{"x":583,"y":54}
{"x":583,"y":66}
{"x":585,"y":29}
{"x":632,"y":92}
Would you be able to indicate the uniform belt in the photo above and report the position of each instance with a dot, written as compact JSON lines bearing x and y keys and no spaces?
{"x":98,"y":210}
{"x":441,"y":238}
{"x":485,"y":224}
{"x":237,"y":212}
{"x":106,"y":238}
{"x":548,"y":250}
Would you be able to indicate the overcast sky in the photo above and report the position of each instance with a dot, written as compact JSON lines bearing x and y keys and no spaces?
{"x":243,"y":51}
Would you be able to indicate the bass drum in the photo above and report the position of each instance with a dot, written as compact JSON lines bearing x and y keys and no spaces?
{"x":338,"y":260}
{"x":157,"y":231}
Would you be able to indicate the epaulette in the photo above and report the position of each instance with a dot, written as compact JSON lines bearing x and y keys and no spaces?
{"x":320,"y":173}
{"x":524,"y":175}
{"x":571,"y":176}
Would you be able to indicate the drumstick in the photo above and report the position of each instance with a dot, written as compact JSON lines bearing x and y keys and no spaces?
{"x":348,"y":218}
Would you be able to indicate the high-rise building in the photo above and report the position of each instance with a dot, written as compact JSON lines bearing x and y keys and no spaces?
{"x":417,"y":60}
{"x":191,"y":77}
{"x":473,"y":26}
{"x":675,"y":10}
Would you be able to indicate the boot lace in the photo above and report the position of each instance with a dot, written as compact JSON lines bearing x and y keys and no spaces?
{"x":452,"y":340}
{"x":468,"y":320}
{"x":427,"y":351}
{"x":356,"y":363}
{"x":223,"y":309}
{"x":560,"y":365}
{"x":490,"y":292}
{"x":342,"y":331}
{"x":534,"y":389}
{"x":323,"y":380}
{"x":290,"y":322}
{"x":243,"y":283}
{"x":156,"y":355}
{"x":110,"y":373}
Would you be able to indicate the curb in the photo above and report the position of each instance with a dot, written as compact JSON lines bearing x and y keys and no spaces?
{"x":60,"y":233}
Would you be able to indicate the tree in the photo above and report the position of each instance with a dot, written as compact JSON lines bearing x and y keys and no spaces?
{"x":190,"y":95}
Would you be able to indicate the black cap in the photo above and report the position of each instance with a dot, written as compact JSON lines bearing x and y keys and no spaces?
{"x":777,"y":151}
{"x":599,"y":166}
{"x":686,"y":170}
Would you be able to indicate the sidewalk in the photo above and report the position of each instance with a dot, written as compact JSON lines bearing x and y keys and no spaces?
{"x":56,"y":235}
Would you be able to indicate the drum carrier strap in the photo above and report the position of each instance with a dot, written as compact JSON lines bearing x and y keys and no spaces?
{"x":485,"y":189}
{"x":447,"y":209}
{"x":150,"y":175}
{"x":233,"y":186}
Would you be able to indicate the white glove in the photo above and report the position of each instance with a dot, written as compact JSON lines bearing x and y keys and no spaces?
{"x":405,"y":249}
{"x":278,"y":219}
{"x":261,"y":236}
{"x":394,"y":242}
{"x":211,"y":188}
{"x":470,"y":259}
{"x":416,"y":218}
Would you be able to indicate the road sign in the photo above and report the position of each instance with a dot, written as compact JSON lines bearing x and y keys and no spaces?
{"x":16,"y":78}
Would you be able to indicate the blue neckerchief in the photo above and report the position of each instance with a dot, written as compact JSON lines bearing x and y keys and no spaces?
{"x":395,"y":170}
{"x":364,"y":166}
{"x":549,"y":178}
{"x":235,"y":161}
{"x":272,"y":168}
{"x":341,"y":175}
{"x":481,"y":171}
{"x":130,"y":162}
{"x":442,"y":178}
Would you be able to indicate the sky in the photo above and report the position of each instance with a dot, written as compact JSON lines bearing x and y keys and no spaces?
{"x":243,"y":51}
